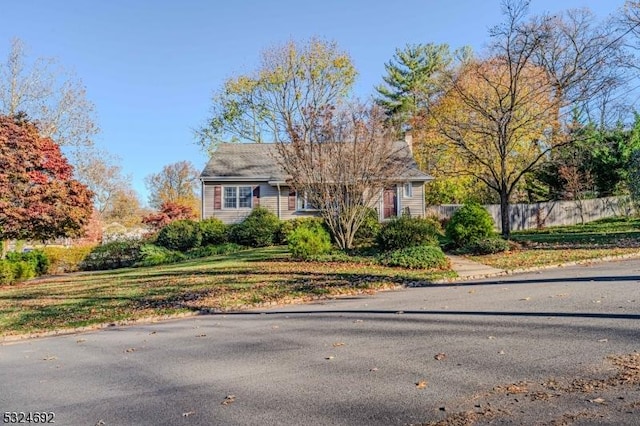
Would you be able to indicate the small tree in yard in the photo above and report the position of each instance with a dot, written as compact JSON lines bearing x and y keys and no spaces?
{"x":39,"y":199}
{"x":168,"y":213}
{"x":341,"y":161}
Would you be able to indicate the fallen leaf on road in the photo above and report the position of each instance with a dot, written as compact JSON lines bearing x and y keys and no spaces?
{"x":229,"y":399}
{"x":201,"y":335}
{"x":471,"y":291}
{"x":421,"y":384}
{"x":130,"y":350}
{"x":329,"y":357}
{"x":100,"y":423}
{"x":491,"y":337}
{"x":373,"y":369}
{"x":188,"y":413}
{"x":597,"y":401}
{"x":153,"y":332}
{"x":81,"y":340}
{"x":49,"y":358}
{"x":603,"y":340}
{"x":440,"y":356}
{"x":337,"y":344}
{"x":501,"y":353}
{"x":526,"y":298}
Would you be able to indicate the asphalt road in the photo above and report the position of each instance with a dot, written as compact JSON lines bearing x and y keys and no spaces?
{"x":526,"y":349}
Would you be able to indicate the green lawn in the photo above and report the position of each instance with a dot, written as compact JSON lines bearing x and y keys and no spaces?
{"x":561,"y":244}
{"x":251,"y":277}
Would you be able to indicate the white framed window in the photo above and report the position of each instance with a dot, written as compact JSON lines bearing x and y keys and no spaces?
{"x":407,"y":190}
{"x":303,"y":202}
{"x":237,"y":197}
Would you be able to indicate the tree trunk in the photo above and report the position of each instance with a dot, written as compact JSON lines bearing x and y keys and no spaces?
{"x":505,"y":220}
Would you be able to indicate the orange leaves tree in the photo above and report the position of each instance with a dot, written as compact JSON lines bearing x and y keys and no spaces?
{"x":39,"y":199}
{"x":498,"y":117}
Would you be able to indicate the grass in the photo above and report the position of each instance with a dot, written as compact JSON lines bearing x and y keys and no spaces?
{"x":562,"y":244}
{"x":224,"y":282}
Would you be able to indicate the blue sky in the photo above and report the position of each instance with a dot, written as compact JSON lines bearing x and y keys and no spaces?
{"x":150,"y":67}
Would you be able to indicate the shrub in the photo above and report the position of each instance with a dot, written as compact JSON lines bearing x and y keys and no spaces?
{"x":470,"y":223}
{"x":113,"y":255}
{"x":7,"y":274}
{"x":213,"y":232}
{"x":416,"y":257}
{"x":408,"y":232}
{"x":37,"y":258}
{"x":151,"y":255}
{"x":180,"y":235}
{"x":259,"y":229}
{"x":288,"y":226}
{"x":23,"y":270}
{"x":214,"y":250}
{"x":488,"y":246}
{"x":305,"y":241}
{"x":65,"y":259}
{"x":370,"y":226}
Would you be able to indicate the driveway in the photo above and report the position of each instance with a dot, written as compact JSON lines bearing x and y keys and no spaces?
{"x":527,"y":349}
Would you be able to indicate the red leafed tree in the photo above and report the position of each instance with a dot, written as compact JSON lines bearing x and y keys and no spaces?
{"x":39,"y":199}
{"x":169,"y":212}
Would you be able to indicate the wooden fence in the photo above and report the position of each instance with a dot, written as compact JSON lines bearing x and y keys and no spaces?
{"x":552,"y":213}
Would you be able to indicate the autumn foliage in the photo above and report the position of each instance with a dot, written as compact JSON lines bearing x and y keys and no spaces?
{"x":39,"y":199}
{"x":168,"y":213}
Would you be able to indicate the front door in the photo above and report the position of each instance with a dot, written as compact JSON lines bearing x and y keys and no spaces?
{"x":389,"y":203}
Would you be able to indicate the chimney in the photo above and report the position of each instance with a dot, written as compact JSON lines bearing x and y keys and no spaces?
{"x":408,"y":138}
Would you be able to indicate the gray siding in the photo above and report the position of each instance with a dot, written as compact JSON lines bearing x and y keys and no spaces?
{"x":279,"y":205}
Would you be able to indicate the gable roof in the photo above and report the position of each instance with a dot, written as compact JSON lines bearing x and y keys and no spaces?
{"x":258,"y":162}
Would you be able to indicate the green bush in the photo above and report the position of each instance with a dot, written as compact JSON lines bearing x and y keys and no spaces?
{"x":65,"y":259}
{"x":259,"y":229}
{"x":7,"y":275}
{"x":214,"y":250}
{"x":470,"y":223}
{"x":408,"y":232}
{"x":288,"y":226}
{"x":213,"y":232}
{"x":113,"y":255}
{"x":489,"y":245}
{"x":180,"y":235}
{"x":37,"y":258}
{"x":23,"y":270}
{"x":370,"y":227}
{"x":306,"y":241}
{"x":151,"y":255}
{"x":416,"y":257}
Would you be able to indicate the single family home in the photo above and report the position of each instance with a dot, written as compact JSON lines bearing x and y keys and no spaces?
{"x":241,"y":176}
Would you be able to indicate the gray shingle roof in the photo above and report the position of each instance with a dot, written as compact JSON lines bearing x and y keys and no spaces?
{"x":258,"y":161}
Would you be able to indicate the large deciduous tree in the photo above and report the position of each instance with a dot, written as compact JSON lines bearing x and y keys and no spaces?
{"x":293,"y":82}
{"x":343,"y":164}
{"x":39,"y":199}
{"x":176,"y":183}
{"x":52,"y":97}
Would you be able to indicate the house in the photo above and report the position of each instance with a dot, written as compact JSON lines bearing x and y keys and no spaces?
{"x":241,"y":176}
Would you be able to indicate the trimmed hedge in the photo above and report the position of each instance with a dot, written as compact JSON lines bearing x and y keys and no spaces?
{"x":470,"y":223}
{"x":213,"y":232}
{"x":417,"y":257}
{"x":180,"y":235}
{"x":113,"y":255}
{"x":490,"y":245}
{"x":65,"y":259}
{"x":408,"y":232}
{"x":305,"y":242}
{"x":259,"y":229}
